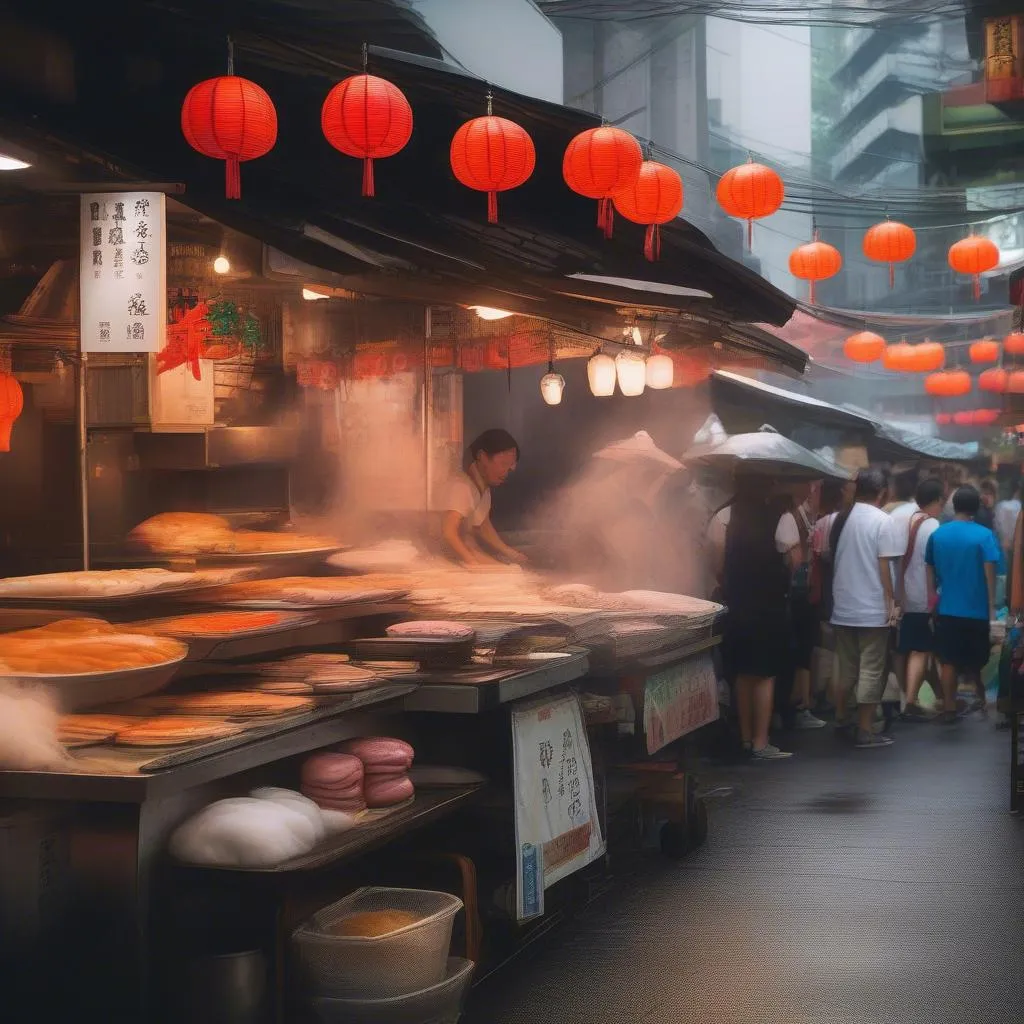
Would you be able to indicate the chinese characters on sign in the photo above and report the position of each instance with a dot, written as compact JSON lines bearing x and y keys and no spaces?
{"x":679,"y":700}
{"x":557,"y":827}
{"x":123,"y":272}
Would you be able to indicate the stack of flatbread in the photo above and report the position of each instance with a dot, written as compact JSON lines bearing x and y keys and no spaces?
{"x":302,"y":592}
{"x":314,"y":674}
{"x":94,"y":585}
{"x":83,"y":647}
{"x":198,"y":533}
{"x":130,"y":731}
{"x":217,"y":703}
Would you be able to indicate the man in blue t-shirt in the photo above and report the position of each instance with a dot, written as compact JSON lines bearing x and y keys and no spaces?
{"x":962,"y":558}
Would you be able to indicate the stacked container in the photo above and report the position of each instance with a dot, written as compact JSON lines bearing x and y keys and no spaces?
{"x":403,"y":976}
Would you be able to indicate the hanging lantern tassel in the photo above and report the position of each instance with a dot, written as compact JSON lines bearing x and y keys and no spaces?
{"x":492,"y":207}
{"x":606,"y":217}
{"x":652,"y":242}
{"x":368,"y":192}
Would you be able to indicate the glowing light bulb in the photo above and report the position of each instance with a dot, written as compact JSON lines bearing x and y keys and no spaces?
{"x":221,"y":265}
{"x":660,"y":372}
{"x":601,"y":375}
{"x":631,"y":369}
{"x":10,"y":163}
{"x":551,"y":386}
{"x":311,"y":296}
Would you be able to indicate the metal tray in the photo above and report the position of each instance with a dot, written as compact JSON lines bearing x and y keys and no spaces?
{"x":94,"y":689}
{"x":434,"y":653}
{"x":244,"y":644}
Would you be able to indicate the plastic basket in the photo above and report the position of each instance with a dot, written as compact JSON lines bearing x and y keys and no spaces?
{"x":439,"y":1004}
{"x":407,"y":960}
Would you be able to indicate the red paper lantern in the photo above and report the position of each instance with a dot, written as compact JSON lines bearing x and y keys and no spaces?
{"x":929,"y":355}
{"x":1013,"y":344}
{"x":750,"y":191}
{"x":898,"y":356}
{"x":492,"y":155}
{"x":948,"y":383}
{"x":974,"y":255}
{"x":864,"y":347}
{"x":984,"y":351}
{"x":943,"y":418}
{"x":600,"y":162}
{"x":368,"y":118}
{"x":1015,"y":382}
{"x":11,"y":403}
{"x":985,"y":417}
{"x":232,"y":119}
{"x":655,"y":198}
{"x":890,"y":242}
{"x":994,"y":380}
{"x":963,"y":419}
{"x":815,"y":261}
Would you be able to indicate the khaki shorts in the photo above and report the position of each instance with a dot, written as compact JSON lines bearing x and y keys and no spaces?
{"x":862,"y":656}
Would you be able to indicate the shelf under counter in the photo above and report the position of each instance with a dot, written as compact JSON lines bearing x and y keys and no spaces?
{"x":134,"y":777}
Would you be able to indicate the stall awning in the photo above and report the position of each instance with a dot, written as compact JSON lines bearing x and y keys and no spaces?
{"x":423,"y":235}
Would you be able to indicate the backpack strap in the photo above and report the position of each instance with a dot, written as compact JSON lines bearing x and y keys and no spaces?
{"x":915,"y":526}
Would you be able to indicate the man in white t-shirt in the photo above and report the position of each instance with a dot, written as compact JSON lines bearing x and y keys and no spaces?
{"x":916,"y":639}
{"x":864,"y":543}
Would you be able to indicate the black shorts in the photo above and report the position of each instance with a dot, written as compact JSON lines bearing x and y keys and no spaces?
{"x":806,"y":628}
{"x":915,"y":633}
{"x":757,"y":647}
{"x":963,"y":643}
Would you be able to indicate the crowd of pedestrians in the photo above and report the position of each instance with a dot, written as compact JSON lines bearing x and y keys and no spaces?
{"x":862,"y":591}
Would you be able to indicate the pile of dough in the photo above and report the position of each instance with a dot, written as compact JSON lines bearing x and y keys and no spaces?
{"x":94,"y":584}
{"x":423,"y":630}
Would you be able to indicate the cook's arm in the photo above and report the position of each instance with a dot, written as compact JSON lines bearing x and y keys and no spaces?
{"x":489,"y":535}
{"x":451,"y":533}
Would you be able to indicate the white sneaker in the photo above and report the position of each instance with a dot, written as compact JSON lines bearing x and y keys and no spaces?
{"x":770,"y":753}
{"x":805,"y":720}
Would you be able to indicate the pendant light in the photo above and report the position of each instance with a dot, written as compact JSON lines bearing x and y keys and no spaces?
{"x":660,"y":372}
{"x":552,"y":385}
{"x":601,"y":375}
{"x":631,"y":371}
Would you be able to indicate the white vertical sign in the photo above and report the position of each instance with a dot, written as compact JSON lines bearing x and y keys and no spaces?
{"x":123,"y":272}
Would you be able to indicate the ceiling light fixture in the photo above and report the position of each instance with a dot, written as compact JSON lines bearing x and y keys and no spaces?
{"x":221,"y":265}
{"x":552,"y":385}
{"x":311,"y":296}
{"x":490,"y":313}
{"x":10,"y":163}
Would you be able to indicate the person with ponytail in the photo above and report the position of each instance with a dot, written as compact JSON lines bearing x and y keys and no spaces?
{"x":466,"y":530}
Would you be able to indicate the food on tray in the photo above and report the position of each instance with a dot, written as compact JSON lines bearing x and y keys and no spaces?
{"x":372,"y":924}
{"x":303,"y":590}
{"x":84,"y":646}
{"x":386,"y":763}
{"x":99,"y":728}
{"x":222,"y":703}
{"x":388,"y":555}
{"x":427,"y":630}
{"x":218,"y":623}
{"x":173,"y":731}
{"x":198,"y":533}
{"x":380,"y":750}
{"x":110,"y":583}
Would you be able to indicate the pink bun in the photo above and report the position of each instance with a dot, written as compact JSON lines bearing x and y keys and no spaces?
{"x":332,"y":769}
{"x":387,"y":791}
{"x":380,"y":750}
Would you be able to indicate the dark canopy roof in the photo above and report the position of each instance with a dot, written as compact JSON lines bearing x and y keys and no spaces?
{"x":424,"y":235}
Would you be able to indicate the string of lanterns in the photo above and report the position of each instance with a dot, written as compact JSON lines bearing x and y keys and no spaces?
{"x":368,"y":118}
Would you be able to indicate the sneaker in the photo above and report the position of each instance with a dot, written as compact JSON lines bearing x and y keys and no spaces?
{"x":770,"y":753}
{"x":915,"y":713}
{"x":806,"y":720}
{"x":871,"y":740}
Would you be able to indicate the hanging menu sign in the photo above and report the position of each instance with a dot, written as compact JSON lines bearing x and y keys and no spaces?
{"x":123,"y":272}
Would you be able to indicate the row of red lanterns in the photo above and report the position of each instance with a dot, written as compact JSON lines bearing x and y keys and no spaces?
{"x":891,"y":242}
{"x":868,"y":347}
{"x":969,"y":418}
{"x":232,"y":119}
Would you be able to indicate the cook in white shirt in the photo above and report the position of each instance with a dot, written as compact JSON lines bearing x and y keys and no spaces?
{"x":466,"y":529}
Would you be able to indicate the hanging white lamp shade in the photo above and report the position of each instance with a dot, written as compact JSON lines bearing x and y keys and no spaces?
{"x":601,"y":375}
{"x":631,"y":370}
{"x":660,"y":372}
{"x":551,"y":387}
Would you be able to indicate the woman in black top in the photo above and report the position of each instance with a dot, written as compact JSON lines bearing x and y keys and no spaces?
{"x":755,"y":589}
